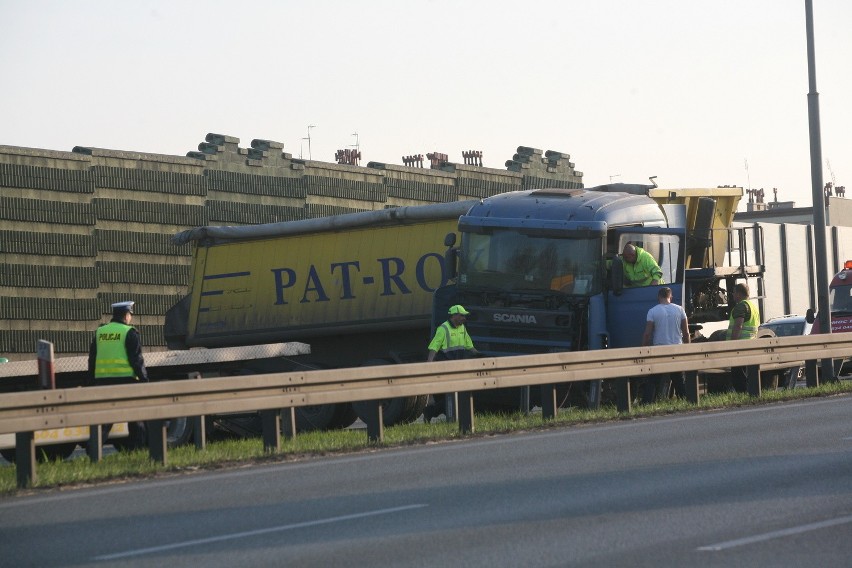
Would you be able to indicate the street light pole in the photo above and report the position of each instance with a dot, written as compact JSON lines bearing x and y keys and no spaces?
{"x":817,"y":191}
{"x":310,"y":157}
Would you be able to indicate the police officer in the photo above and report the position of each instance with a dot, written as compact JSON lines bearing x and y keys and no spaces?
{"x":115,"y":358}
{"x":451,"y":342}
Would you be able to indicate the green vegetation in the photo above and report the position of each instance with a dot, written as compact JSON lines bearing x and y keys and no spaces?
{"x":234,"y":453}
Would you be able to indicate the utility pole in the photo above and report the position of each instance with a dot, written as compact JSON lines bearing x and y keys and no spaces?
{"x":821,"y":262}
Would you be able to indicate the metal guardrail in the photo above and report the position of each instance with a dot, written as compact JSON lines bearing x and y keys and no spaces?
{"x":23,"y":413}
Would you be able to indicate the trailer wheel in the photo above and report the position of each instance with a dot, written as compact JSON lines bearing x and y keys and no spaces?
{"x":179,"y":432}
{"x":344,"y":416}
{"x":309,"y":418}
{"x":399,"y":410}
{"x":317,"y":417}
{"x":418,"y":405}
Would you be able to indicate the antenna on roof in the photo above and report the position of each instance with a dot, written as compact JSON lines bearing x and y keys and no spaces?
{"x":309,"y":141}
{"x":651,"y":179}
{"x":831,"y":172}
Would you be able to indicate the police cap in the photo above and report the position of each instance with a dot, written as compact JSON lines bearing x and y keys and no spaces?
{"x":121,"y":307}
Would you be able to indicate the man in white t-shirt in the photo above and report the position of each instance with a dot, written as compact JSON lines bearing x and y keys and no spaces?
{"x":666,"y":325}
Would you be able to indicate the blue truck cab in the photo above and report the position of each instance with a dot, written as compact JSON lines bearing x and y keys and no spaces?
{"x":541,"y":272}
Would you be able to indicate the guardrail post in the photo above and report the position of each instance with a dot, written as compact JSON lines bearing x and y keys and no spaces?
{"x":692,"y":387}
{"x":158,"y":441}
{"x":525,"y":399}
{"x":623,"y":398}
{"x":199,"y":424}
{"x":753,"y":379}
{"x":548,"y":402}
{"x":25,"y":459}
{"x":595,"y":391}
{"x":199,"y":432}
{"x":375,"y":422}
{"x":811,"y":374}
{"x":451,"y":400}
{"x":466,"y":425}
{"x":270,"y":421}
{"x":291,"y":421}
{"x":95,"y":447}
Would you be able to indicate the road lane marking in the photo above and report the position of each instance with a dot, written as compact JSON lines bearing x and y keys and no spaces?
{"x":246,"y":534}
{"x":776,"y":534}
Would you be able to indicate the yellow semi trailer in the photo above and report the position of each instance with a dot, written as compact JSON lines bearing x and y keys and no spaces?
{"x":357,"y":287}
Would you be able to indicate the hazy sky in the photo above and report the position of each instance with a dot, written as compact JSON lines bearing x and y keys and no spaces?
{"x":685,"y":90}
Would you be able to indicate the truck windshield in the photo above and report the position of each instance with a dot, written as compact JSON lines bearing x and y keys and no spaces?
{"x":508,"y":260}
{"x":840,"y":299}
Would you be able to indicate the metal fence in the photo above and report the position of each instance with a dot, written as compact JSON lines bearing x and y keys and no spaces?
{"x":25,"y":412}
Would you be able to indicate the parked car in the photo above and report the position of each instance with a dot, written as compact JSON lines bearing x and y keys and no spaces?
{"x":782,"y":326}
{"x":787,"y":326}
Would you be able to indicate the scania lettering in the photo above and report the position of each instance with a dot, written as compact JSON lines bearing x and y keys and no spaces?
{"x":514,"y":318}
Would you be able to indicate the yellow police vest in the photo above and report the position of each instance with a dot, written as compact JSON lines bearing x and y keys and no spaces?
{"x":750,"y":325}
{"x":111,"y":360}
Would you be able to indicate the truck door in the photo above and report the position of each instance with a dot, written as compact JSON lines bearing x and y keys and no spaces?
{"x":627,"y":306}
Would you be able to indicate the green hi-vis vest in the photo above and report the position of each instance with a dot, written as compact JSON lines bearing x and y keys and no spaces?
{"x":452,"y":341}
{"x":111,"y":358}
{"x":750,"y":325}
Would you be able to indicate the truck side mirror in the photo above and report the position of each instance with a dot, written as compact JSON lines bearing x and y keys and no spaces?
{"x":810,"y":316}
{"x":451,"y":256}
{"x":617,"y":275}
{"x":451,"y":263}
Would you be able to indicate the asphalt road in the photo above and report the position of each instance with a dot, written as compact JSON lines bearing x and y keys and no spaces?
{"x":763,"y":486}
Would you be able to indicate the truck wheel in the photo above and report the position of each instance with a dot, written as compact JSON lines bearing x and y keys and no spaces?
{"x":394,"y":410}
{"x":344,"y":416}
{"x":179,"y":432}
{"x":418,"y":404}
{"x":44,"y":454}
{"x":309,"y":418}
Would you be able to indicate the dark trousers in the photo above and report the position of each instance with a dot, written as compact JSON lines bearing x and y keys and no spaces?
{"x":137,"y":431}
{"x":660,"y":386}
{"x":437,"y":404}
